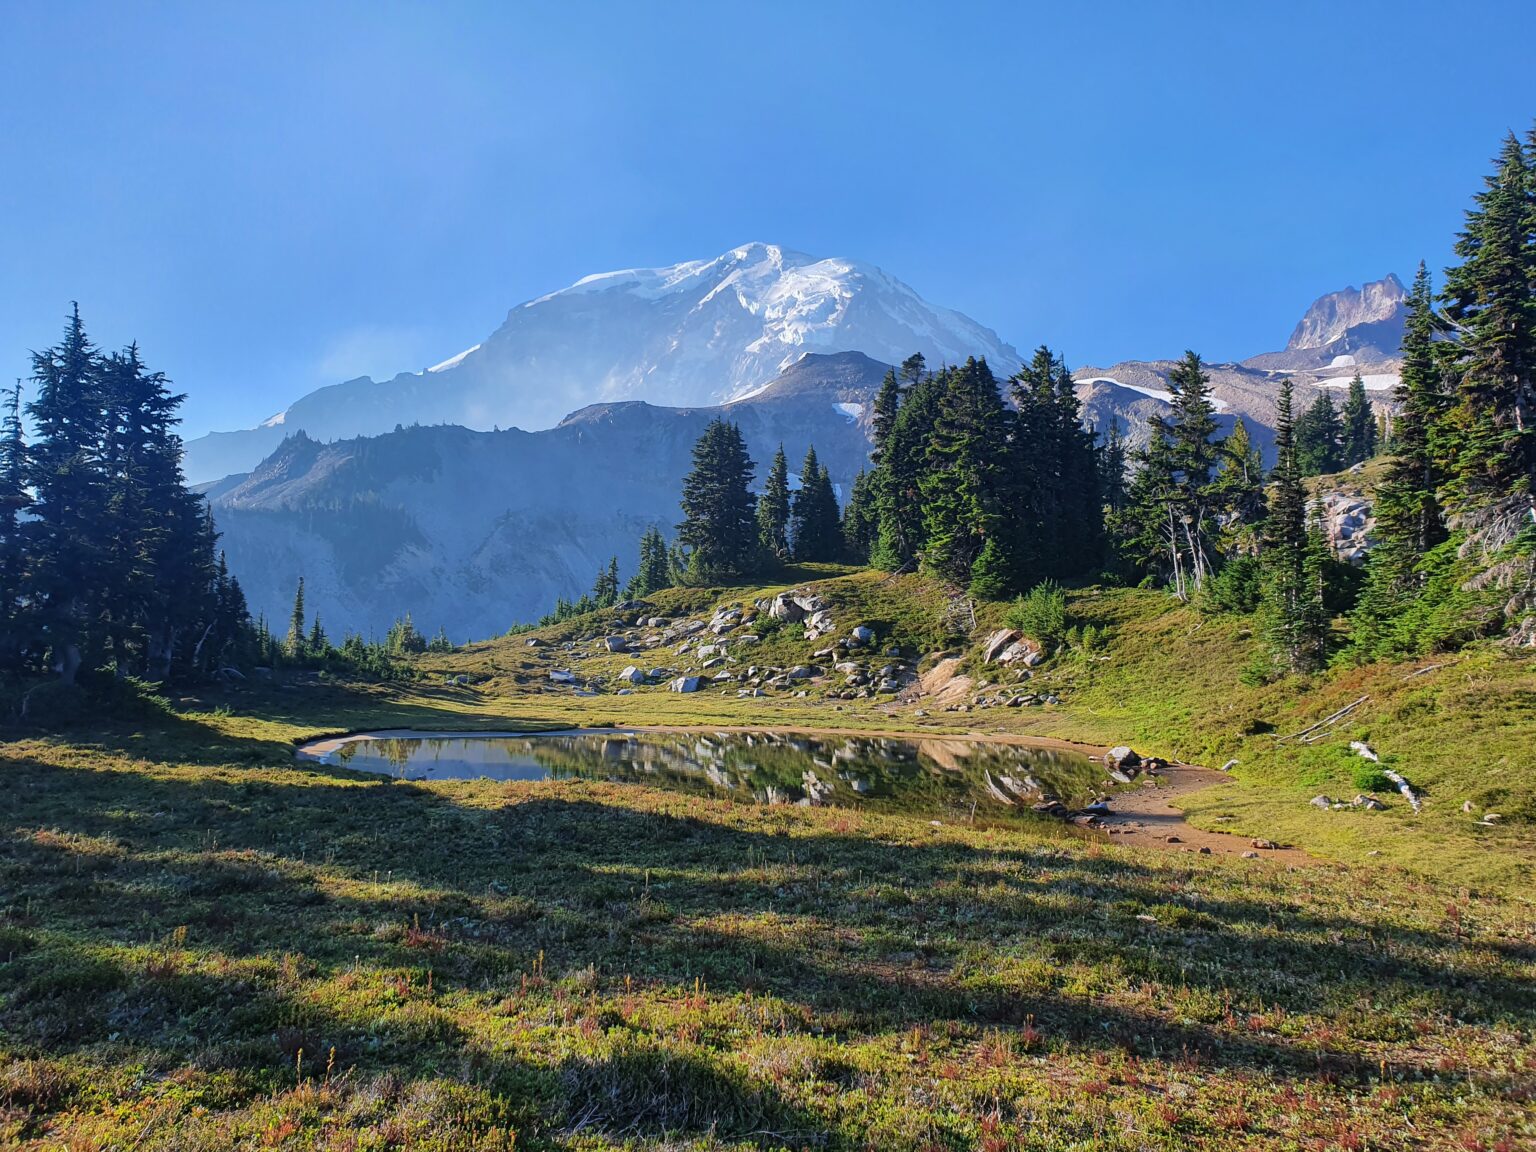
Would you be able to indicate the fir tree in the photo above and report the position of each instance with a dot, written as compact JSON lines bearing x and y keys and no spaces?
{"x":653,"y":573}
{"x":15,"y":628}
{"x":815,"y":532}
{"x":1359,"y":432}
{"x":1318,"y":437}
{"x":294,"y":645}
{"x":861,"y":519}
{"x":67,"y":478}
{"x":316,"y":646}
{"x":1409,"y":520}
{"x":605,"y":589}
{"x":1238,"y":491}
{"x":913,"y":369}
{"x":773,"y":509}
{"x":1173,"y":504}
{"x":1295,"y":626}
{"x":963,"y":488}
{"x":1111,"y":468}
{"x":719,"y":528}
{"x":883,"y":419}
{"x":1490,"y":298}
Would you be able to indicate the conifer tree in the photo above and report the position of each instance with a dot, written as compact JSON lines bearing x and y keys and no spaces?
{"x":1359,"y":433}
{"x":1318,"y":438}
{"x":1173,"y":503}
{"x":14,"y":624}
{"x":1239,"y":490}
{"x":883,"y":418}
{"x":1409,"y":519}
{"x":773,"y":509}
{"x":861,"y":519}
{"x":1111,"y":468}
{"x":316,"y":645}
{"x":815,"y":531}
{"x":1490,"y":298}
{"x":66,"y":476}
{"x":605,"y":589}
{"x":719,"y":528}
{"x":913,"y":369}
{"x":294,"y":645}
{"x":1295,"y":626}
{"x":653,"y":573}
{"x":903,"y":461}
{"x":963,"y":488}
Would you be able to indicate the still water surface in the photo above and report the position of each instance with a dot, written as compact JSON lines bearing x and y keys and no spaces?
{"x":944,"y":777}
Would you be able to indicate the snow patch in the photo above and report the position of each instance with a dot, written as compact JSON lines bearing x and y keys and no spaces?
{"x":1345,"y":361}
{"x":1375,"y":382}
{"x":1156,"y":393}
{"x":452,"y":361}
{"x":274,"y":421}
{"x":850,"y":410}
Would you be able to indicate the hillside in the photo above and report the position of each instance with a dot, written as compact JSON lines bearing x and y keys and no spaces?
{"x":476,"y":531}
{"x":209,"y":946}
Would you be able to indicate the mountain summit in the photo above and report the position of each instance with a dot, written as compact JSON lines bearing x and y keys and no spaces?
{"x":701,"y":332}
{"x":1331,"y":316}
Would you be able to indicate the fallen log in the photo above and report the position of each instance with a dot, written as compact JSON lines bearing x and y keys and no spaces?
{"x":1325,"y":721}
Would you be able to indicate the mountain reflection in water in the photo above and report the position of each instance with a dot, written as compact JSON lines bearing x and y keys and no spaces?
{"x":943,"y":775}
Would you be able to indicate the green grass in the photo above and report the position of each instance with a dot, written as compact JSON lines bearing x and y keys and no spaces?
{"x":203,"y":945}
{"x":207,"y":947}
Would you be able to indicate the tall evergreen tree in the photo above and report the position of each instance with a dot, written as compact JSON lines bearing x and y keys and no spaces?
{"x":963,"y":488}
{"x":67,"y":478}
{"x":913,"y":369}
{"x":1318,"y":438}
{"x":1359,"y":432}
{"x":1409,"y":518}
{"x":14,"y":624}
{"x":903,"y":462}
{"x":1173,"y":502}
{"x":815,"y":531}
{"x":1490,"y":298}
{"x":653,"y":573}
{"x":605,"y":589}
{"x":719,"y":528}
{"x":773,"y":509}
{"x":861,"y":519}
{"x":294,"y":644}
{"x":883,"y":418}
{"x":1111,"y":467}
{"x":1292,"y":608}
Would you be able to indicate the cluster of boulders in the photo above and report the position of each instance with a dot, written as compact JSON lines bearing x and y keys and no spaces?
{"x":1010,"y":646}
{"x":713,"y":650}
{"x":806,"y":608}
{"x":1369,"y":803}
{"x":1348,"y":522}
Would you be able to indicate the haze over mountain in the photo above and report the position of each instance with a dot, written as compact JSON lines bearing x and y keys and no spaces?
{"x":477,"y":529}
{"x":700,"y":332}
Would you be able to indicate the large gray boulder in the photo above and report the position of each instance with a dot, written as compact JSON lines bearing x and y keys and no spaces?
{"x":686,"y":684}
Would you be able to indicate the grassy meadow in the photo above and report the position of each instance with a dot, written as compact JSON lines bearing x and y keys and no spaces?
{"x":205,"y":945}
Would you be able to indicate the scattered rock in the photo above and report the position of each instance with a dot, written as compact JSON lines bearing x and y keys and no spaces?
{"x":616,"y":644}
{"x":562,"y":676}
{"x":862,"y":636}
{"x":686,"y":684}
{"x":1250,"y":855}
{"x":1266,"y":845}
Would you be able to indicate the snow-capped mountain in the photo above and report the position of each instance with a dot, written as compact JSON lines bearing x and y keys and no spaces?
{"x":700,"y":332}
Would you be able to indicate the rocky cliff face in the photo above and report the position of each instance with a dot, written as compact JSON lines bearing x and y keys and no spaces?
{"x":476,"y":531}
{"x":1332,"y":316}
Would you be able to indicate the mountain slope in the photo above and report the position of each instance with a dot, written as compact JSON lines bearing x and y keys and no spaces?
{"x":701,"y":332}
{"x":478,"y":530}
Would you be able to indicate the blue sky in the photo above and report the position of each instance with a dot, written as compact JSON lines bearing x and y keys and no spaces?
{"x":271,"y":197}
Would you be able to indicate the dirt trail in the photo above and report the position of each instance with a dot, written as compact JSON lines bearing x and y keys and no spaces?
{"x":1146,"y":818}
